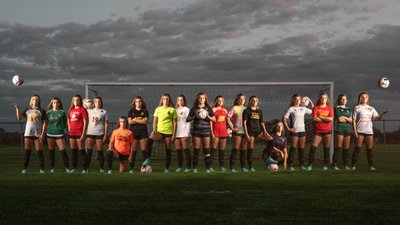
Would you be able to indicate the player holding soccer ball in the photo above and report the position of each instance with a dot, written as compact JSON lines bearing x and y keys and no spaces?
{"x":297,"y":128}
{"x":201,"y":114}
{"x":34,"y":130}
{"x":363,"y":116}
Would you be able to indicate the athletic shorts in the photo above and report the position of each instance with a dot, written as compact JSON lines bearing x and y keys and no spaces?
{"x":345,"y":134}
{"x":122,"y":157}
{"x":251,"y":134}
{"x":140,"y":137}
{"x":321,"y":134}
{"x":201,"y":135}
{"x":95,"y":136}
{"x":55,"y":138}
{"x":74,"y":137}
{"x":237,"y":134}
{"x":222,"y":138}
{"x":298,"y":134}
{"x":365,"y":135}
{"x":31,"y":137}
{"x":165,"y":135}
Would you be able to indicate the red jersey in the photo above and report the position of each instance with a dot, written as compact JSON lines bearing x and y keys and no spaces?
{"x":76,"y":117}
{"x":122,"y":139}
{"x":327,"y":111}
{"x":219,"y":127}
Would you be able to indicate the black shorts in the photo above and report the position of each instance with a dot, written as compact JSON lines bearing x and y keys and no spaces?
{"x":55,"y":138}
{"x":365,"y":135}
{"x":201,"y":135}
{"x":236,"y":134}
{"x":254,"y":134}
{"x":298,"y":134}
{"x":165,"y":135}
{"x":31,"y":137}
{"x":95,"y":136}
{"x":321,"y":134}
{"x":141,"y":136}
{"x":345,"y":134}
{"x":122,"y":157}
{"x":74,"y":137}
{"x":222,"y":138}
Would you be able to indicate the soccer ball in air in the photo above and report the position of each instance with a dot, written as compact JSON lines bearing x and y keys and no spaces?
{"x":305,"y":101}
{"x":202,"y":114}
{"x":87,"y":103}
{"x":273,"y":167}
{"x":146,"y":169}
{"x":17,"y":80}
{"x":383,"y":82}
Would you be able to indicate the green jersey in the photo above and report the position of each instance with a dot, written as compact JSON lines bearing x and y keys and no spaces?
{"x":56,"y":122}
{"x":343,"y":127}
{"x":165,"y":117}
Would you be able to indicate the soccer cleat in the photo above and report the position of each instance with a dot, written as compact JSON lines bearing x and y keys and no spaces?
{"x":291,"y":169}
{"x":166,"y":170}
{"x":270,"y":160}
{"x":371,"y":168}
{"x":212,"y":170}
{"x":109,"y":171}
{"x":85,"y":171}
{"x":244,"y":170}
{"x":325,"y":168}
{"x":353,"y":168}
{"x":347,"y":168}
{"x":309,"y":168}
{"x":179,"y":170}
{"x":131,"y":171}
{"x":52,"y":170}
{"x":252,"y":169}
{"x":336,"y":168}
{"x":208,"y":171}
{"x":233,"y":171}
{"x":24,"y":171}
{"x":72,"y":171}
{"x":68,"y":170}
{"x":195,"y":170}
{"x":41,"y":171}
{"x":187,"y":170}
{"x":303,"y":168}
{"x":146,"y":162}
{"x":222,"y":169}
{"x":102,"y":171}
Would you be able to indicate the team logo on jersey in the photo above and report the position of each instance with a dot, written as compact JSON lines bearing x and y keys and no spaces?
{"x":255,"y":115}
{"x":221,"y":118}
{"x":142,"y":113}
{"x":33,"y":117}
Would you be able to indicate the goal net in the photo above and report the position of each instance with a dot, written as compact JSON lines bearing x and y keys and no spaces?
{"x":274,"y":98}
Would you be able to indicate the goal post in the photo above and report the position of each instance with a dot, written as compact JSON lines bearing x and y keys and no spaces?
{"x":274,"y":97}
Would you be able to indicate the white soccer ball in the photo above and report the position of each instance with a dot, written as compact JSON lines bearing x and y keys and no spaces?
{"x":87,"y":103}
{"x":146,"y":169}
{"x":17,"y":80}
{"x":273,"y":167}
{"x":383,"y":82}
{"x":305,"y":101}
{"x":202,"y":114}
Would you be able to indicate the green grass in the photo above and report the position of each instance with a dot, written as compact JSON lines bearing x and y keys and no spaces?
{"x":317,"y":197}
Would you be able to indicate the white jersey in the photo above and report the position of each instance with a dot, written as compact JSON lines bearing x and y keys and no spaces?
{"x":97,"y":118}
{"x":364,"y":115}
{"x":296,"y":116}
{"x":182,"y":127}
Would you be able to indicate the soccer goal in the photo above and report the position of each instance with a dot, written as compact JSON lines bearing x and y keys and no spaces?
{"x":274,"y":97}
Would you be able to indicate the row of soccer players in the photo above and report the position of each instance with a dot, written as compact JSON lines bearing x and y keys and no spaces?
{"x":205,"y":124}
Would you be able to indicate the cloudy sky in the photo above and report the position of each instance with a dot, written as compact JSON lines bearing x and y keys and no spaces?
{"x":59,"y":45}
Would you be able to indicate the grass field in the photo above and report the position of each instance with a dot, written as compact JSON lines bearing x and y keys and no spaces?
{"x":317,"y":197}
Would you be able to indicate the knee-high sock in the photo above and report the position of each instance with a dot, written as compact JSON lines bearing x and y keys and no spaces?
{"x":232,"y":158}
{"x":41,"y":159}
{"x":345,"y":155}
{"x":355,"y":155}
{"x":311,"y":155}
{"x":370,"y":156}
{"x":168,"y":157}
{"x":291,"y":156}
{"x":195,"y":157}
{"x":149,"y":150}
{"x":52,"y":158}
{"x":179,"y":157}
{"x":336,"y":154}
{"x":110,"y":159}
{"x":65,"y":159}
{"x":89,"y":157}
{"x":243,"y":158}
{"x":188,"y":158}
{"x":326,"y":156}
{"x":132,"y":162}
{"x":207,"y":157}
{"x":84,"y":159}
{"x":74,"y":158}
{"x":301,"y":156}
{"x":212,"y":153}
{"x":221,"y":158}
{"x":250,"y":157}
{"x":101,"y":158}
{"x":27,"y":158}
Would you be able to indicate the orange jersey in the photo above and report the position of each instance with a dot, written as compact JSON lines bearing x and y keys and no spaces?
{"x":122,"y":139}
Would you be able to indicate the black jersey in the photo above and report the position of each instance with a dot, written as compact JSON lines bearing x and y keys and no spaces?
{"x":200,"y":126}
{"x":138,"y":129}
{"x":253,"y":118}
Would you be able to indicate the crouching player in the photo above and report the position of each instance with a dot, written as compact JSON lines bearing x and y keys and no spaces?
{"x":276,"y":150}
{"x":121,"y":144}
